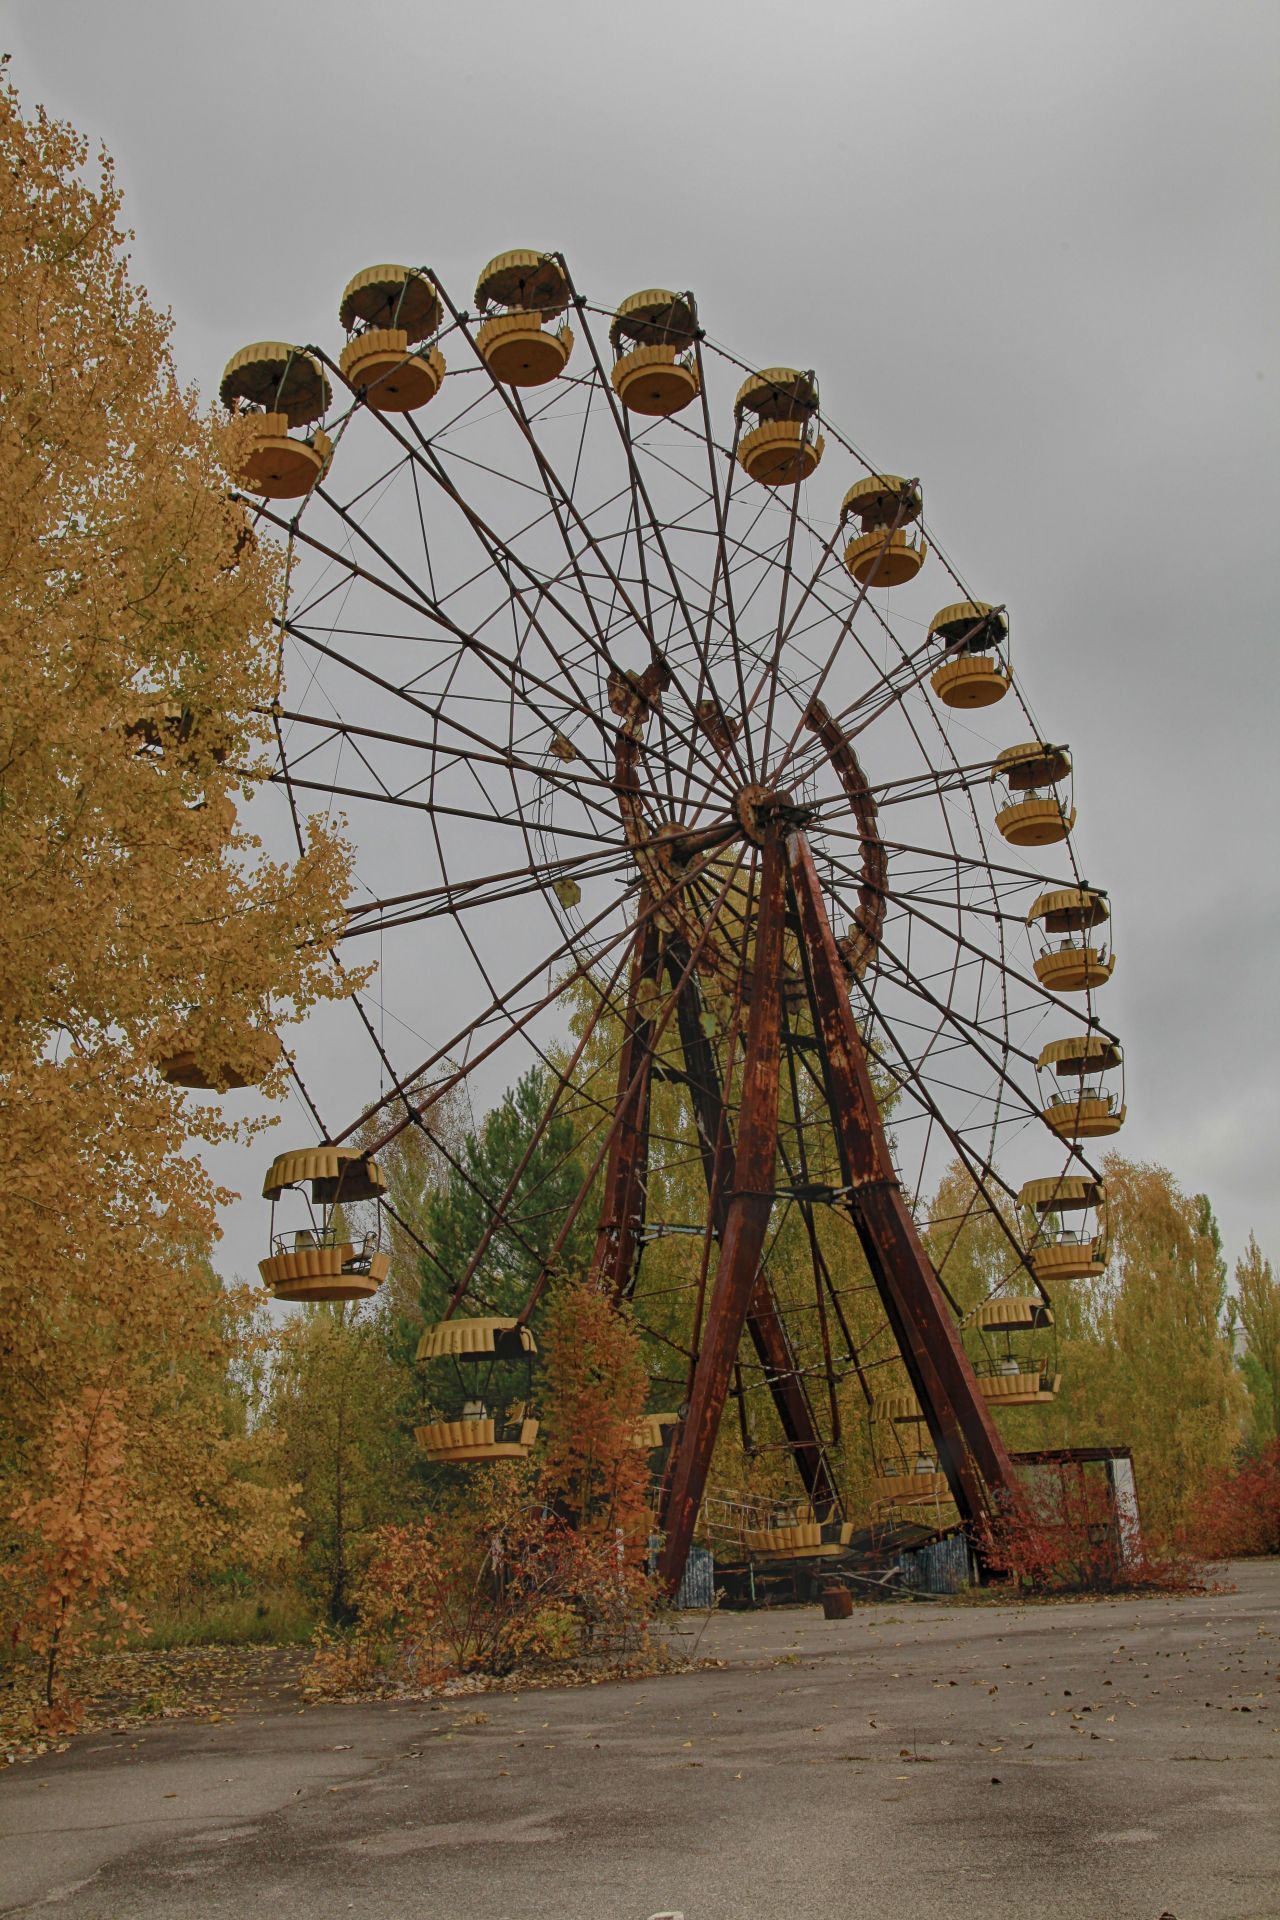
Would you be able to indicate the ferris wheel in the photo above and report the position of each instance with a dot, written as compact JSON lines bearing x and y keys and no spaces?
{"x":679,"y":757}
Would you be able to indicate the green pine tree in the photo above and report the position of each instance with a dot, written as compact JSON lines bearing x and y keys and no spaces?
{"x":462,"y":1210}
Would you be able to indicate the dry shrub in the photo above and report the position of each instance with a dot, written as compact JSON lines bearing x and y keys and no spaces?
{"x":495,"y":1581}
{"x":344,"y":1664}
{"x":594,"y":1386}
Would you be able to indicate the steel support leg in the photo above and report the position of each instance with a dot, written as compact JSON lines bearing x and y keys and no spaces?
{"x":746,"y":1222}
{"x":622,"y":1212}
{"x":970,"y":1450}
{"x":765,"y":1324}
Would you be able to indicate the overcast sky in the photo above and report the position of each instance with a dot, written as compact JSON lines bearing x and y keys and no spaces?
{"x":1030,"y":249}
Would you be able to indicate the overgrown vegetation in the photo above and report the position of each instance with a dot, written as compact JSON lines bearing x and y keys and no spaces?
{"x":1067,"y":1538}
{"x":526,"y":1562}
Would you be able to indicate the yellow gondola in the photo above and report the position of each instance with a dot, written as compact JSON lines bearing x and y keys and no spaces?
{"x":279,"y":387}
{"x":1095,"y":1111}
{"x":652,"y":334}
{"x":1033,"y":815}
{"x":1071,"y":965}
{"x":802,"y":1537}
{"x":195,"y":1060}
{"x":975,"y":672}
{"x":783,"y":447}
{"x":466,"y":1355}
{"x":324,"y":1260}
{"x":890,"y":549}
{"x":1059,"y":1252}
{"x":391,"y":314}
{"x":1012,"y":1367}
{"x":519,"y":292}
{"x":907,"y":1472}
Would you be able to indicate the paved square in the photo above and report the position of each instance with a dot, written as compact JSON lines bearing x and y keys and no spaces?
{"x":1113,"y":1760}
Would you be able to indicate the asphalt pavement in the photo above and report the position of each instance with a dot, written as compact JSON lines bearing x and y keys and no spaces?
{"x":1107,"y":1760}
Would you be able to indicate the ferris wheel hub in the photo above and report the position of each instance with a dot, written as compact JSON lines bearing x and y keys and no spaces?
{"x":762,"y":810}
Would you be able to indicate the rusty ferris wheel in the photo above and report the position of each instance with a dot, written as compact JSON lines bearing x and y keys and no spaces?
{"x":615,"y":652}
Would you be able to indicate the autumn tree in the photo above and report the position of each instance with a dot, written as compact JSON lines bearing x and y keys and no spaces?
{"x":1257,"y":1313}
{"x":594,"y":1385}
{"x":1144,"y":1353}
{"x":1237,"y":1513}
{"x":139,"y":659}
{"x":220,"y":1505}
{"x":340,"y":1409}
{"x":75,"y":1543}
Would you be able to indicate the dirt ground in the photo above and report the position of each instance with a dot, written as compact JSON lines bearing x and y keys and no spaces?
{"x":1114,"y":1760}
{"x":118,"y":1688}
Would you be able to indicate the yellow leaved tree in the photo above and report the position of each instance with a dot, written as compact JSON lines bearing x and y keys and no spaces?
{"x":1257,"y":1314}
{"x":1144,"y":1350}
{"x":138,"y":919}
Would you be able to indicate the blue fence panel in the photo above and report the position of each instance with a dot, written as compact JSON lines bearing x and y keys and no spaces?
{"x":697,"y":1590}
{"x":943,"y":1566}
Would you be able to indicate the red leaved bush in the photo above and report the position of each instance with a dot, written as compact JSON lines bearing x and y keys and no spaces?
{"x":1066,"y":1537}
{"x":77,"y":1542}
{"x":1238,"y":1514}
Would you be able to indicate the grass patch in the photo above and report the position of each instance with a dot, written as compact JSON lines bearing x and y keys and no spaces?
{"x":234,"y":1620}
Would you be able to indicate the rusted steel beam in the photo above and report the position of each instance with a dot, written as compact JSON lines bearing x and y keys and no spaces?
{"x":702,"y":1077}
{"x":622,"y":1211}
{"x":785,"y":1382}
{"x":746,"y":1221}
{"x":635,"y":698}
{"x":765,"y":1324}
{"x":970,"y":1450}
{"x":858,"y":947}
